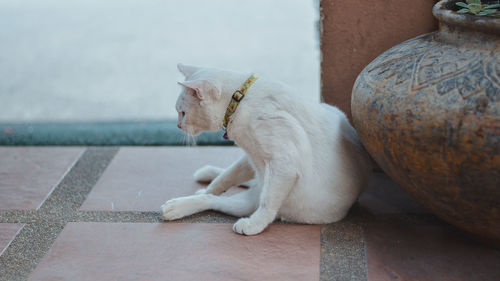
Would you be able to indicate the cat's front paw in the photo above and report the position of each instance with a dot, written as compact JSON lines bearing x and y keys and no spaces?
{"x":246,"y":226}
{"x":176,"y":208}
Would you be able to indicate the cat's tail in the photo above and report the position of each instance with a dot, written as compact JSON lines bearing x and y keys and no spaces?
{"x":207,"y":173}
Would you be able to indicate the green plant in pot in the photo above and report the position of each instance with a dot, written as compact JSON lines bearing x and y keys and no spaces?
{"x":428,"y":112}
{"x":476,"y":7}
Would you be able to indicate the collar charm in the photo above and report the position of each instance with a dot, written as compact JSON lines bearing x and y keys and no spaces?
{"x":238,"y":95}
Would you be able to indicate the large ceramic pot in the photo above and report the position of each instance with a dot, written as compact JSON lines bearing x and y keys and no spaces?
{"x":428,"y":112}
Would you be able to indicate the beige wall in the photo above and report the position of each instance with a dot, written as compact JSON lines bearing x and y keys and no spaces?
{"x":356,"y":32}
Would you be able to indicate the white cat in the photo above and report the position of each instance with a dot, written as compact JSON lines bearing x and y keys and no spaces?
{"x":304,"y":162}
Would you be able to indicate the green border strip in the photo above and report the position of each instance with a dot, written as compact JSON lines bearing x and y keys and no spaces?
{"x":103,"y":133}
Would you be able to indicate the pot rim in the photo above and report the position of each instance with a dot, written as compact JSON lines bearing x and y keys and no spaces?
{"x":479,"y":23}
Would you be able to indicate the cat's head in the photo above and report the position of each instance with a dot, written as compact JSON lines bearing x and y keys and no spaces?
{"x":196,"y":104}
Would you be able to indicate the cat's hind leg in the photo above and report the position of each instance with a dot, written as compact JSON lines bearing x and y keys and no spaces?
{"x":207,"y":173}
{"x":239,"y":172}
{"x":241,"y":204}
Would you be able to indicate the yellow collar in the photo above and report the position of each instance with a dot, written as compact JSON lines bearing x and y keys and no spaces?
{"x":238,"y":95}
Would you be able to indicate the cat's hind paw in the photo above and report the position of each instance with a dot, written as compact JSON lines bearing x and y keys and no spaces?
{"x":207,"y":173}
{"x":245,"y":226}
{"x":201,"y":191}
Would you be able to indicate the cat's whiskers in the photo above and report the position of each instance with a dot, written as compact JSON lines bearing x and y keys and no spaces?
{"x":182,"y":139}
{"x":190,"y":139}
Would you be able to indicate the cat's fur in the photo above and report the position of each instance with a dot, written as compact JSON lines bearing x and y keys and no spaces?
{"x":303,"y":163}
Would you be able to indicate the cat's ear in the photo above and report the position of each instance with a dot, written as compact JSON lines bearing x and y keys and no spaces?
{"x":187,"y":70}
{"x":202,"y":88}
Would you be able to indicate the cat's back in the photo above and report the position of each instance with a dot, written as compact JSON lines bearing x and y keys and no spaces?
{"x":269,"y":99}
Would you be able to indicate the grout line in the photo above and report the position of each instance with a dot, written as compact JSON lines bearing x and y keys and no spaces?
{"x":8,"y":244}
{"x":27,"y":249}
{"x":61,"y":179}
{"x":69,"y":195}
{"x":18,"y":216}
{"x":154,"y":217}
{"x":343,"y":252}
{"x":43,"y":226}
{"x":105,"y":216}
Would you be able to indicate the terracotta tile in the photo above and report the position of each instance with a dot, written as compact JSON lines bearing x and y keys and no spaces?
{"x":7,"y":233}
{"x":140,"y":251}
{"x":384,"y":196}
{"x":29,"y":174}
{"x":143,"y":178}
{"x":409,"y":252}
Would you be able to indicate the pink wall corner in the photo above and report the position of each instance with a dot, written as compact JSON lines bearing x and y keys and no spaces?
{"x":356,"y":32}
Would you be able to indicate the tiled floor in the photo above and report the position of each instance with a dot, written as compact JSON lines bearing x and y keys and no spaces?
{"x":101,"y":221}
{"x":180,"y":251}
{"x":142,"y":178}
{"x":28,"y":175}
{"x":426,"y":252}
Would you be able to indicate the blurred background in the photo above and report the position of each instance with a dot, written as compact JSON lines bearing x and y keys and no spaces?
{"x":64,"y":61}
